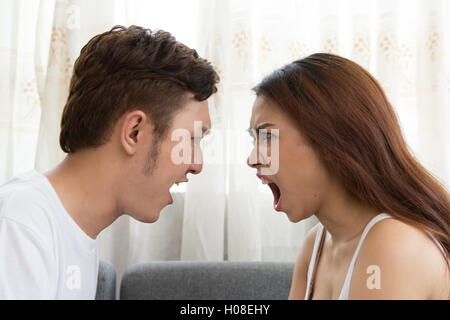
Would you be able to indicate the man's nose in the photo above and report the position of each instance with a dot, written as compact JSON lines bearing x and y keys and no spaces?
{"x":197,"y":163}
{"x":195,"y":168}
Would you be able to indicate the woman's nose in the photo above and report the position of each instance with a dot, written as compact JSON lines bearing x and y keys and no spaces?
{"x":252,"y":159}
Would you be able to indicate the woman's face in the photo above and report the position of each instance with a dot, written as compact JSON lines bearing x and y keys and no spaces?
{"x":301,"y":183}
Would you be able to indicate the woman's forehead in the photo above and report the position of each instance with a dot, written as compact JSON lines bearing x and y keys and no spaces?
{"x":264,"y":110}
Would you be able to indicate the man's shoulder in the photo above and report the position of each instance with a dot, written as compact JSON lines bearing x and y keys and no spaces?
{"x":23,"y":200}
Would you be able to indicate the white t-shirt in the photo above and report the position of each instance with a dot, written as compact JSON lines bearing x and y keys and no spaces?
{"x":44,"y":254}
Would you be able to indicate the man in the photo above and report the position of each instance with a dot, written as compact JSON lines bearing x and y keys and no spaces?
{"x":131,"y":89}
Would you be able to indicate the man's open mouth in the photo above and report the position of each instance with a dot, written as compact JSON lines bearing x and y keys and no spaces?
{"x":275,"y":191}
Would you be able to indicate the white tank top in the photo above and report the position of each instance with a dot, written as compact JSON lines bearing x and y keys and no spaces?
{"x":318,"y":243}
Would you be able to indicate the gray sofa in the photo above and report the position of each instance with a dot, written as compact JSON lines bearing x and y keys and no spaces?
{"x":193,"y":280}
{"x":106,"y":282}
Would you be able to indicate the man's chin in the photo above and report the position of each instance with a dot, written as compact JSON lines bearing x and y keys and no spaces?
{"x":148,"y":217}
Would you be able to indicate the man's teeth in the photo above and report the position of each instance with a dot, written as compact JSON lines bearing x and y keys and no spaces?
{"x":264,"y":181}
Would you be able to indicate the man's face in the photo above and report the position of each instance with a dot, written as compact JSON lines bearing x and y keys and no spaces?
{"x":154,"y":171}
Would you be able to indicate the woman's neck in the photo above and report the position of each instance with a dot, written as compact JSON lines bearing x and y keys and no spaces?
{"x":344,"y":217}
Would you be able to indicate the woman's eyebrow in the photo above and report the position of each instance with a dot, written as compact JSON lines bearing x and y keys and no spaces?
{"x":261,"y":126}
{"x":264,"y":125}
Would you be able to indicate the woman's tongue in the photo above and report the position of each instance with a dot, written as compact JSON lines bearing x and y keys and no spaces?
{"x":276,"y":196}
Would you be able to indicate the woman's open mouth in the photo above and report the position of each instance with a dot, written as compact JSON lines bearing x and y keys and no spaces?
{"x":275,"y":191}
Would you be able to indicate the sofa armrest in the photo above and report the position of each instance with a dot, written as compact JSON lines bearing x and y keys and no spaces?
{"x":106,"y":283}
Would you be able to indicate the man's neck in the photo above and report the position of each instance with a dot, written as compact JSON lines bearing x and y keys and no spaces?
{"x":86,"y":190}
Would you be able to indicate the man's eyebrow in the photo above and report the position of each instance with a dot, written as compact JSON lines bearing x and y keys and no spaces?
{"x":206,"y":131}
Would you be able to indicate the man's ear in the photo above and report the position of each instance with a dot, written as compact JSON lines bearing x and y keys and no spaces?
{"x":132,"y":131}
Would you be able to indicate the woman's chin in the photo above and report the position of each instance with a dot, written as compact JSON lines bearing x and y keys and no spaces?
{"x":294,"y":219}
{"x":295,"y":216}
{"x":292,"y":216}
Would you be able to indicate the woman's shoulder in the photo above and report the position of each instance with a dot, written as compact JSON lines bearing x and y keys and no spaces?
{"x":406,"y":259}
{"x":396,"y":236}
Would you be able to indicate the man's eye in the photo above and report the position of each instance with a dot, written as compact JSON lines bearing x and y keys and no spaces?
{"x":196,"y":140}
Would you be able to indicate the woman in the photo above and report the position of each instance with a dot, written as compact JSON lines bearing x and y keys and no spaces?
{"x":384,"y":220}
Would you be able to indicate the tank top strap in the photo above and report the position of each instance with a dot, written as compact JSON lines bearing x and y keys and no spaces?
{"x":346,"y":287}
{"x":439,"y":245}
{"x":318,"y":244}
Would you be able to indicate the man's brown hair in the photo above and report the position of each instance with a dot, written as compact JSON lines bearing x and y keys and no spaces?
{"x":125,"y":69}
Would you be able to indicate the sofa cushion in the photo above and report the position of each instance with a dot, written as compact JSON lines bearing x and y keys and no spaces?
{"x":187,"y":280}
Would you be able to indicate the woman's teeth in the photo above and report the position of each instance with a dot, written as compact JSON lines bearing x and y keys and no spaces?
{"x":264,"y":181}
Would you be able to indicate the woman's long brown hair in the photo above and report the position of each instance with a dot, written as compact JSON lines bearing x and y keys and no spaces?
{"x":344,"y":112}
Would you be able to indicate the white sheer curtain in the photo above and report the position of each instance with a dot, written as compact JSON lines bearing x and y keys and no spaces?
{"x":22,"y":66}
{"x":223,"y":213}
{"x":253,"y":229}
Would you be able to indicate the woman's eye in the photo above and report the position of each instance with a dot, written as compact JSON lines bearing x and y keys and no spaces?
{"x":265,"y":136}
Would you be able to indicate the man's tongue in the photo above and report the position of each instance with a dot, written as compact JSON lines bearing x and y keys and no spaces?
{"x":276,"y":196}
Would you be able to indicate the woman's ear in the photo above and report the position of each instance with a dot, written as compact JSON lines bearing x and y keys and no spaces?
{"x":132,"y":130}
